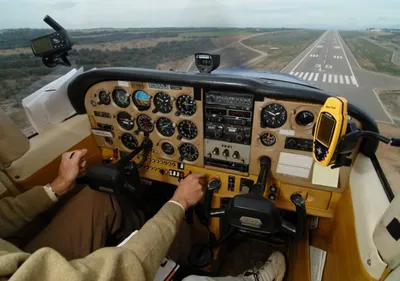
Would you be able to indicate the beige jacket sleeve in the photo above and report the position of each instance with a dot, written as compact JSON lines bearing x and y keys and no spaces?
{"x":15,"y":212}
{"x":137,"y":260}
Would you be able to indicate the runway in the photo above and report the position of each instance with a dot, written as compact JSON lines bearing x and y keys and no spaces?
{"x":328,"y":64}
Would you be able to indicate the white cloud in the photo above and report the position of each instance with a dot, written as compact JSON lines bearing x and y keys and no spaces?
{"x":242,"y":13}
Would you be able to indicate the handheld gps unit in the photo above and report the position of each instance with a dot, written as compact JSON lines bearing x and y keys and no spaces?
{"x":53,"y":48}
{"x":331,"y":125}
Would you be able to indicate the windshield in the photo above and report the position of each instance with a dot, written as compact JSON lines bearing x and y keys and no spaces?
{"x":344,"y":47}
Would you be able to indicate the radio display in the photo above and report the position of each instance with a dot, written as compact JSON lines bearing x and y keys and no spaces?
{"x":238,"y":113}
{"x":325,"y":129}
{"x":218,"y":111}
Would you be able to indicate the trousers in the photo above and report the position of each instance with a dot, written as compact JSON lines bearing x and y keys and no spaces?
{"x":76,"y":226}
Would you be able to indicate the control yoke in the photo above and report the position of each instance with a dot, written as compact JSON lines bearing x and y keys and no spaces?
{"x":117,"y":177}
{"x":253,"y":213}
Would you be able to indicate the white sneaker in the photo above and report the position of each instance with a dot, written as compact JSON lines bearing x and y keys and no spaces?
{"x":273,"y":270}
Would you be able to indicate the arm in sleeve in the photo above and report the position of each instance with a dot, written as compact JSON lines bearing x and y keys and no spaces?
{"x":137,"y":260}
{"x":15,"y":212}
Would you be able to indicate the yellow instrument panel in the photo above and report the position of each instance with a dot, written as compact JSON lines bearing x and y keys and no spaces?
{"x":218,"y":133}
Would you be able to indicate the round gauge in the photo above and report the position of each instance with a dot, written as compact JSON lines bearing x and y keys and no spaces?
{"x":142,"y":100}
{"x":145,"y":123}
{"x":104,"y":98}
{"x":126,"y":121}
{"x":120,"y":97}
{"x":305,"y":118}
{"x":165,"y":126}
{"x":129,"y":141}
{"x":267,"y":139}
{"x":162,"y":102}
{"x":186,"y":105}
{"x":187,"y":129}
{"x":188,"y":152}
{"x":168,"y":148}
{"x":273,"y":116}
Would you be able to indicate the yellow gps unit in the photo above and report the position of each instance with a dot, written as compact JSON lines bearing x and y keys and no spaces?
{"x":331,"y":125}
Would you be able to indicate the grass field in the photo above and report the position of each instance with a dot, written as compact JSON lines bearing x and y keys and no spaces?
{"x":218,"y":33}
{"x":282,"y":47}
{"x":391,"y":100}
{"x":369,"y":55}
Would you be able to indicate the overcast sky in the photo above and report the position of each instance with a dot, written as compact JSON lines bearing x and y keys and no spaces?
{"x":343,"y":14}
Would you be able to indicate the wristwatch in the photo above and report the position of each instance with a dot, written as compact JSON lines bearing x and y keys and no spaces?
{"x":49,"y":190}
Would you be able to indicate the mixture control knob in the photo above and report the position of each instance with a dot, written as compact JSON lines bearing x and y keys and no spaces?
{"x":225,"y":153}
{"x":236,"y":155}
{"x":215,"y":151}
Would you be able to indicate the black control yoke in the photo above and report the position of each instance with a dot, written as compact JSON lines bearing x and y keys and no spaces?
{"x":253,"y":213}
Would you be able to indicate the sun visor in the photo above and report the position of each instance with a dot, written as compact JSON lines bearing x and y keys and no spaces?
{"x":13,"y":144}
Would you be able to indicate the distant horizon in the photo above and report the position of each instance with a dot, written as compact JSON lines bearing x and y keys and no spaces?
{"x":199,"y":27}
{"x":90,"y":14}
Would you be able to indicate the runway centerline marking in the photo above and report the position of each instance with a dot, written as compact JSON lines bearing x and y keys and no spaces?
{"x":306,"y":55}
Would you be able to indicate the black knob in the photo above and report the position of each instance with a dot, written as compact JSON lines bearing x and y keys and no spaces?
{"x":297,"y":200}
{"x":239,"y":137}
{"x":162,"y":171}
{"x":155,"y":110}
{"x":236,"y":155}
{"x":177,"y":113}
{"x":225,"y":153}
{"x":215,"y":151}
{"x":217,"y":134}
{"x":209,"y":155}
{"x":272,"y":197}
{"x":179,"y":137}
{"x":273,"y":188}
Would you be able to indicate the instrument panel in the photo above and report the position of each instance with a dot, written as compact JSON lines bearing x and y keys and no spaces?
{"x":216,"y":132}
{"x":122,"y":113}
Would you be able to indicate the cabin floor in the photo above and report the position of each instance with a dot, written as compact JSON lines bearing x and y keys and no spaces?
{"x":244,"y":253}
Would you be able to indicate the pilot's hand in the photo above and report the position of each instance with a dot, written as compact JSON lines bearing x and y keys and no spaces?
{"x":73,"y":164}
{"x":190,"y":190}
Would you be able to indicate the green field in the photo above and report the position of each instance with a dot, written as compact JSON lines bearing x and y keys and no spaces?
{"x":219,"y":33}
{"x":391,"y":100}
{"x":282,"y":47}
{"x":371,"y":56}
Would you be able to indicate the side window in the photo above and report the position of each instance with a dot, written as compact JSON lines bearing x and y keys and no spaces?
{"x":21,"y":74}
